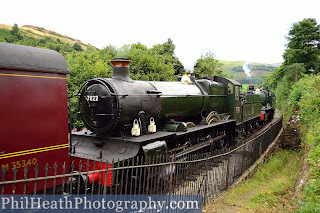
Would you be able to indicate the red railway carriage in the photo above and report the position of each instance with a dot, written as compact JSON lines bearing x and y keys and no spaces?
{"x":33,"y":114}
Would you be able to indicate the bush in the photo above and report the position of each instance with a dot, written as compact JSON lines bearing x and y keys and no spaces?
{"x":305,"y":96}
{"x":77,"y":47}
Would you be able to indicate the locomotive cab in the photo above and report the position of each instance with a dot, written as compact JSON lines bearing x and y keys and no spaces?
{"x":232,"y":102}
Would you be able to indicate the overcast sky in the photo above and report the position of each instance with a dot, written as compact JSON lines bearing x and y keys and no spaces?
{"x":244,"y":30}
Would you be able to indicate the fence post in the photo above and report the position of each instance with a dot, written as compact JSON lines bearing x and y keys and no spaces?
{"x":3,"y":172}
{"x":15,"y":171}
{"x":25,"y":169}
{"x":55,"y":167}
{"x":205,"y":199}
{"x":171,"y":174}
{"x":63,"y":178}
{"x":71,"y":177}
{"x":106,"y":179}
{"x":79,"y":176}
{"x":227,"y":176}
{"x":36,"y":170}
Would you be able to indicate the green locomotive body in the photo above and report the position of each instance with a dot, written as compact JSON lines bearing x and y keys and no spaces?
{"x":128,"y":118}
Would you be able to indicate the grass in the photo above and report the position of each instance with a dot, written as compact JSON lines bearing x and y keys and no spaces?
{"x":270,"y":189}
{"x":4,"y":33}
{"x":245,"y":86}
{"x":228,"y":65}
{"x":5,"y":26}
{"x":274,"y":181}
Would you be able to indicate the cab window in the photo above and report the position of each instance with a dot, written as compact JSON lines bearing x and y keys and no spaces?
{"x":230,"y":88}
{"x":237,"y":92}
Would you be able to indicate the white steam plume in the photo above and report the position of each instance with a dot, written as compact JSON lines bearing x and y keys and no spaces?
{"x":246,"y":69}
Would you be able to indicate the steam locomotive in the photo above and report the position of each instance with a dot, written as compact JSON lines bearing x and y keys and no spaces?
{"x":128,"y":118}
{"x":125,"y":118}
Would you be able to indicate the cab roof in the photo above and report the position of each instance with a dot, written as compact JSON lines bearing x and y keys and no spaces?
{"x":25,"y":58}
{"x":224,"y":80}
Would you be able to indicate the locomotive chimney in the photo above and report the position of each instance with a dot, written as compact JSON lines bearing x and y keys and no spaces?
{"x":251,"y":87}
{"x":121,"y":69}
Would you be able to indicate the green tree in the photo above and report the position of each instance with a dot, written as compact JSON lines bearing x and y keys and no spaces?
{"x":303,"y":46}
{"x":207,"y":66}
{"x":147,"y":65}
{"x":16,"y":32}
{"x":301,"y":56}
{"x":167,"y":51}
{"x":158,"y":63}
{"x":165,"y":48}
{"x":77,"y":47}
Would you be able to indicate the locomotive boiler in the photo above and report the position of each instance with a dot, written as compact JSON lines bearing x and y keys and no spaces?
{"x":108,"y":106}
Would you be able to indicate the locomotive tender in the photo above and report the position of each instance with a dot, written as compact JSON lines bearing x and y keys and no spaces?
{"x":125,"y":118}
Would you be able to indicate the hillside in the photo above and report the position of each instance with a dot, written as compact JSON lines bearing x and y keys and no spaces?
{"x":258,"y":71}
{"x":40,"y":31}
{"x":38,"y":36}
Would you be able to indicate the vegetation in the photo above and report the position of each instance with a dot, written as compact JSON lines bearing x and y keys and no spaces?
{"x":270,"y":189}
{"x":207,"y":65}
{"x":303,"y":46}
{"x":297,"y":87}
{"x":77,"y":47}
{"x":254,"y":67}
{"x":305,"y":96}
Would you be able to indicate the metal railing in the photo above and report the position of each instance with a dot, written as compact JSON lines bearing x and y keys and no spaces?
{"x":208,"y":174}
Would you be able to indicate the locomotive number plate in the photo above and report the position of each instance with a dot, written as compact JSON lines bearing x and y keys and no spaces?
{"x":91,"y":97}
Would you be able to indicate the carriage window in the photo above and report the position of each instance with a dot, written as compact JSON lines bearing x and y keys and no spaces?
{"x":237,"y":92}
{"x":230,"y":88}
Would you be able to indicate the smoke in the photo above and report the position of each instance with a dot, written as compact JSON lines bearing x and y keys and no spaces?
{"x":247,"y":69}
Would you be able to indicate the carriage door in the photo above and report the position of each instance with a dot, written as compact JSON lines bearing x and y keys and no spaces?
{"x":237,"y":104}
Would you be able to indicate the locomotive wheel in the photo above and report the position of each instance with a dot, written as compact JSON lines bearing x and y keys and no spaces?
{"x":257,"y":124}
{"x":223,"y":144}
